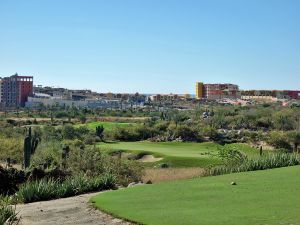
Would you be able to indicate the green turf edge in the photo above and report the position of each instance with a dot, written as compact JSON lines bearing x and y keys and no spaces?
{"x":136,"y":222}
{"x":93,"y":204}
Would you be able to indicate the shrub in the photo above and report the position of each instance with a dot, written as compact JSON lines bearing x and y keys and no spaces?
{"x":187,"y":133}
{"x":10,"y":179}
{"x":128,"y":171}
{"x":70,"y":132}
{"x":50,"y":133}
{"x":11,"y":147}
{"x":133,"y":133}
{"x":231,"y":156}
{"x":93,"y":161}
{"x":48,"y":153}
{"x":50,"y":173}
{"x":279,"y":140}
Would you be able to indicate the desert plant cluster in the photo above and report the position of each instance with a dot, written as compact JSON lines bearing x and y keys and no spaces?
{"x":58,"y":152}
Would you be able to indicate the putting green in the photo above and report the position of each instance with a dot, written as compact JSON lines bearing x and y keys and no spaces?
{"x":261,"y":197}
{"x":178,"y":154}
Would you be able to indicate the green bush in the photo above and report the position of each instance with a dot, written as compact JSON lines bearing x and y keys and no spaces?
{"x":93,"y":161}
{"x":49,"y":153}
{"x":279,"y":140}
{"x":11,"y":147}
{"x":133,"y":133}
{"x":187,"y":133}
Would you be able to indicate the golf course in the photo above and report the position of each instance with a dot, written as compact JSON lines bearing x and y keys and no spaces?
{"x":178,"y":154}
{"x":261,"y":197}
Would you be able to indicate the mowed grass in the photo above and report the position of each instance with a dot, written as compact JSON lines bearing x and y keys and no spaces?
{"x":107,"y":125}
{"x":263,"y":197}
{"x":178,"y":154}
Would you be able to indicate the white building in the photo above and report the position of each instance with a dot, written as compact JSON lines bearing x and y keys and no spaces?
{"x":47,"y":100}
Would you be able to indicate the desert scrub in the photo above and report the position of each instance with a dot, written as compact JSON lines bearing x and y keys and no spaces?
{"x":8,"y":213}
{"x":11,"y":147}
{"x":47,"y":189}
{"x":10,"y":179}
{"x":268,"y":161}
{"x":93,"y":161}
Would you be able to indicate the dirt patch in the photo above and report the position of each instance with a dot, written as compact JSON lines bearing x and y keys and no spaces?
{"x":16,"y":166}
{"x":149,"y":158}
{"x":170,"y":174}
{"x":73,"y":211}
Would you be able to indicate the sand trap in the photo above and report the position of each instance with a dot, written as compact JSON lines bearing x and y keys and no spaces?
{"x":149,"y":158}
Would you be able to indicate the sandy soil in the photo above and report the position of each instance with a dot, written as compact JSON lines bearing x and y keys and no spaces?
{"x":149,"y":158}
{"x":171,"y":174}
{"x":16,"y":166}
{"x":75,"y":210}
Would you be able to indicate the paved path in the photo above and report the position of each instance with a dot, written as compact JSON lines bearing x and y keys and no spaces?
{"x":74,"y":210}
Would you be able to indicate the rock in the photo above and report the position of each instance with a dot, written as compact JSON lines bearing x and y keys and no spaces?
{"x":135,"y":184}
{"x":149,"y":182}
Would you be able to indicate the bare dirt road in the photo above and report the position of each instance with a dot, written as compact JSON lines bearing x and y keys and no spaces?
{"x":75,"y":210}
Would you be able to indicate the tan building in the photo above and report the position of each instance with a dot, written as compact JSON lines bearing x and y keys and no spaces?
{"x":199,"y":90}
{"x":217,"y":91}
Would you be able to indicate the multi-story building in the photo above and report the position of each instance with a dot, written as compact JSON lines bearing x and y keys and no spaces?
{"x":15,"y":90}
{"x":216,"y":91}
{"x":164,"y":97}
{"x":271,"y":94}
{"x":199,"y":90}
{"x":1,"y":92}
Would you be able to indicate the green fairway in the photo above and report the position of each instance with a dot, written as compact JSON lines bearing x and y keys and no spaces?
{"x":178,"y":154}
{"x":107,"y":125}
{"x":261,"y":197}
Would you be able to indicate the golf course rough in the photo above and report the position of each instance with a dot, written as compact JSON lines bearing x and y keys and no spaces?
{"x":260,"y":197}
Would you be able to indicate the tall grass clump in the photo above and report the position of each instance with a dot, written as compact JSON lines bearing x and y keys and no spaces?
{"x":234,"y":161}
{"x":8,"y":215}
{"x":47,"y":189}
{"x":268,"y":161}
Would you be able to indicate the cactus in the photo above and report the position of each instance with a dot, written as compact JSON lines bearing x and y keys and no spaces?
{"x":30,"y":146}
{"x":99,"y":131}
{"x":82,"y":147}
{"x":65,"y":155}
{"x":260,"y":150}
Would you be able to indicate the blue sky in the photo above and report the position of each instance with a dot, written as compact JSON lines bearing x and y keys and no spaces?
{"x":152,"y":46}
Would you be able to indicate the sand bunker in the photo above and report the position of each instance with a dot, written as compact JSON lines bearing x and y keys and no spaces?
{"x":149,"y":158}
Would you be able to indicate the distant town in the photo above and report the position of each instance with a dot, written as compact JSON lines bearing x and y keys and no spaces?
{"x":20,"y":91}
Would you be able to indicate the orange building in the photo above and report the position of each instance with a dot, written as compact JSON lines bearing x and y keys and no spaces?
{"x":217,"y":91}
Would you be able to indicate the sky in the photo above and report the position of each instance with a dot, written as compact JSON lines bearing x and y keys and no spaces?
{"x":152,"y":46}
